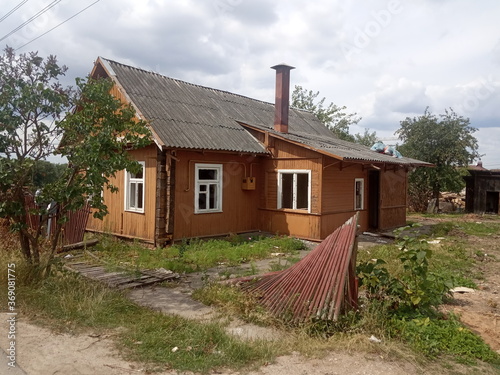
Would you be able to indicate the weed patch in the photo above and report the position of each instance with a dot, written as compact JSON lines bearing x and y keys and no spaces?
{"x":195,"y":255}
{"x":433,"y":337}
{"x":67,"y":302}
{"x":410,"y":295}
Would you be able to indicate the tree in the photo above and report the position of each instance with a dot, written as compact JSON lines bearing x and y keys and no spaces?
{"x":334,"y":117}
{"x":367,"y":139}
{"x":445,"y":141}
{"x":35,"y":112}
{"x":45,"y":172}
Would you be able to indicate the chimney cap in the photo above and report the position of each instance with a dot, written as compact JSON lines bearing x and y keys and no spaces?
{"x":282,"y":65}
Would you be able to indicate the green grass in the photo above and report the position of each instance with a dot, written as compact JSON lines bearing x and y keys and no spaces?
{"x":478,"y":228}
{"x":68,"y":303}
{"x":437,"y":336}
{"x":195,"y":255}
{"x":431,"y":333}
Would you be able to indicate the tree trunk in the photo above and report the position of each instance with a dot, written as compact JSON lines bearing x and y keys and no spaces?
{"x":436,"y":197}
{"x":25,"y":246}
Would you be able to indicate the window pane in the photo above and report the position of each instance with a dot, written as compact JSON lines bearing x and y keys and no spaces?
{"x":207,"y":174}
{"x":359,"y":195}
{"x":140,"y":187}
{"x":212,"y":204}
{"x":132,"y":195}
{"x":302,"y":191}
{"x":202,"y":199}
{"x":287,"y":190}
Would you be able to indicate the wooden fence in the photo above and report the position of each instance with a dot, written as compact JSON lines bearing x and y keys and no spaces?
{"x":72,"y":230}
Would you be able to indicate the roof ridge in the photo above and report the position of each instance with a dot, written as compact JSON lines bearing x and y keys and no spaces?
{"x":201,"y":86}
{"x":186,"y":82}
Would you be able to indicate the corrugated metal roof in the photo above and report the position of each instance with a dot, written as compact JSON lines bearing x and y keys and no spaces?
{"x":346,"y":150}
{"x":184,"y":115}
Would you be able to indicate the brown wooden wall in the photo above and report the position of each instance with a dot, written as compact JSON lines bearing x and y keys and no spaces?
{"x":338,"y":194}
{"x":295,"y":223}
{"x":239,"y":207}
{"x":393,"y":188}
{"x":130,"y":224}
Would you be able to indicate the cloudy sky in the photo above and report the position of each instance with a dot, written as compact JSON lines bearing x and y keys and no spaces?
{"x":384,"y":59}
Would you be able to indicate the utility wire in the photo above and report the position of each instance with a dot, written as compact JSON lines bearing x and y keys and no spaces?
{"x":32,"y":18}
{"x":55,"y":27}
{"x":13,"y":10}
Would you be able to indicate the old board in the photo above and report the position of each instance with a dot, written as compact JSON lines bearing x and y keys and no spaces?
{"x":121,"y":279}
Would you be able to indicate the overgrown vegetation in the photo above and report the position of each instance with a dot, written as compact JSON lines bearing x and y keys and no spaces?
{"x":69,"y":303}
{"x":412,"y":287}
{"x":399,"y":303}
{"x":195,"y":255}
{"x":402,"y":287}
{"x":40,"y":118}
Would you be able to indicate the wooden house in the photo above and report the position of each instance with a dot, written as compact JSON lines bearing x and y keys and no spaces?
{"x":482,"y":190}
{"x":223,"y":163}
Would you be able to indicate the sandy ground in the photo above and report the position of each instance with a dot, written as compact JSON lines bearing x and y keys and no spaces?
{"x":42,"y":352}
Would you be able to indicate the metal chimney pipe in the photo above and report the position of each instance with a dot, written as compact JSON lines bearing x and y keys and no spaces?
{"x":282,"y":100}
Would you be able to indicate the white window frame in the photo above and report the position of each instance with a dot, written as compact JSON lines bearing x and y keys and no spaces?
{"x":217,"y":182}
{"x":294,"y":193}
{"x":129,"y":180}
{"x":362,"y":190}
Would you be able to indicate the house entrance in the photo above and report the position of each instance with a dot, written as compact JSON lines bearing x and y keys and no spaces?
{"x":492,"y":202}
{"x":373,"y":199}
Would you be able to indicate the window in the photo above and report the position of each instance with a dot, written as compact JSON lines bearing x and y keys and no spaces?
{"x":359,"y":193}
{"x":208,"y":194}
{"x":134,"y":190}
{"x":294,"y":189}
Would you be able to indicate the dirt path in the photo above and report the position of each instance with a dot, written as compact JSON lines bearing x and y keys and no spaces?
{"x":43,"y":352}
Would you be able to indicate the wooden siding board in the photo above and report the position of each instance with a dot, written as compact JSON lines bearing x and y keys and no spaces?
{"x":121,"y":222}
{"x":393,"y":185}
{"x":239,"y":207}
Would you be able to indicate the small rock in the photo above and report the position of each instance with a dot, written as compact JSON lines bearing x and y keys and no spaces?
{"x":462,"y":289}
{"x":174,"y":349}
{"x":375,"y":339}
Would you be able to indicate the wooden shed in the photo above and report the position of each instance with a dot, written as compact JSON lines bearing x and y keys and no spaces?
{"x":223,"y":163}
{"x":482,"y":191}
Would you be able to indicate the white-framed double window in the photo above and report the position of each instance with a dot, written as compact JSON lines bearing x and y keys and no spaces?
{"x":359,"y":194}
{"x":134,"y":189}
{"x":208,"y":188}
{"x":294,"y":189}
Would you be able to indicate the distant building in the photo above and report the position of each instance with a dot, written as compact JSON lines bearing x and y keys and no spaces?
{"x":482,"y":190}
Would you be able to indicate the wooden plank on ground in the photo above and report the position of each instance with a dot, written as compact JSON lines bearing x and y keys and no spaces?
{"x":120,"y":279}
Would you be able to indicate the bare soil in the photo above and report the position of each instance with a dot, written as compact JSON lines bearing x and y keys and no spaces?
{"x":480,"y":309}
{"x":42,"y":352}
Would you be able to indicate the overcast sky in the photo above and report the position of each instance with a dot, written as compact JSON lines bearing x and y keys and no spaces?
{"x":385,"y":60}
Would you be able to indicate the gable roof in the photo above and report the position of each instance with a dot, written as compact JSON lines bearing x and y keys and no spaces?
{"x":185,"y":115}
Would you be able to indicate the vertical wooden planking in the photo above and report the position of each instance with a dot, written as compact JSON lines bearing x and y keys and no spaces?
{"x":239,"y":206}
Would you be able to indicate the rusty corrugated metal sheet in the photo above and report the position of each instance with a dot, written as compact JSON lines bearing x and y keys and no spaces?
{"x":320,"y":286}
